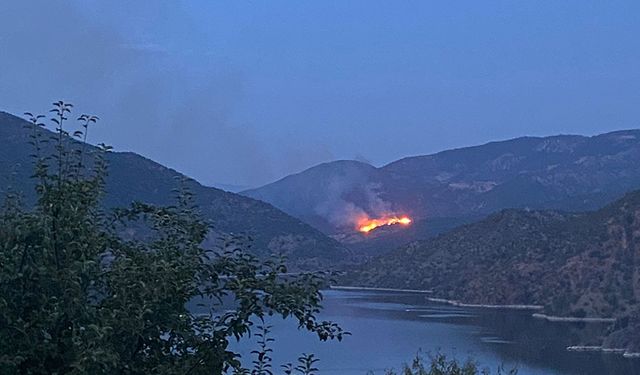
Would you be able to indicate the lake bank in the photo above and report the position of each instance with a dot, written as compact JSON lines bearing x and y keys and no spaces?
{"x":366,"y":288}
{"x":485,"y":306}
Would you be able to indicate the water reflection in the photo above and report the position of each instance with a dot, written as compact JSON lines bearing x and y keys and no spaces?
{"x":389,"y":327}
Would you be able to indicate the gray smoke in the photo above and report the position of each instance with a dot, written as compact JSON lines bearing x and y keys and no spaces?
{"x":341,"y":208}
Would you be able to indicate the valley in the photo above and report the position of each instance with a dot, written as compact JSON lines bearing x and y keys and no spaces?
{"x":435,"y":223}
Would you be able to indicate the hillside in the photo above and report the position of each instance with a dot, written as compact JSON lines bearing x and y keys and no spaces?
{"x":570,"y":173}
{"x":133,"y":177}
{"x":580,"y":265}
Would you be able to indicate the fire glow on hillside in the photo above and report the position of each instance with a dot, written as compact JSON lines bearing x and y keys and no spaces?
{"x":366,"y":225}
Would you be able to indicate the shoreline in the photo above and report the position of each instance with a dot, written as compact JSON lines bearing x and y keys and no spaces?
{"x":344,"y":287}
{"x":485,"y":306}
{"x":549,"y":318}
{"x":623,"y":352}
{"x":438,"y":300}
{"x":573,"y":319}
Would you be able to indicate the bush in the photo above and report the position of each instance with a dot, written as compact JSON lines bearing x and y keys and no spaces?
{"x":439,"y":364}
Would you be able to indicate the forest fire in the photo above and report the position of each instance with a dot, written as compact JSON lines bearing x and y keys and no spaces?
{"x":366,"y":225}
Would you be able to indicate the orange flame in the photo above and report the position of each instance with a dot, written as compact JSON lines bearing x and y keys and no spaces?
{"x":366,"y":225}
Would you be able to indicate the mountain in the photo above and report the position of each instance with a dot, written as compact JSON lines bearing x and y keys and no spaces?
{"x":133,"y":177}
{"x":323,"y":195}
{"x":566,"y":172}
{"x":578,"y":265}
{"x":230,"y":187}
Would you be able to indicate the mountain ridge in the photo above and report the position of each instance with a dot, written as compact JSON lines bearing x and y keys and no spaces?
{"x":135,"y":177}
{"x":566,"y":172}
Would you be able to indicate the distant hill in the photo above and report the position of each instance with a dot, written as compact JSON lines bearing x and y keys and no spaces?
{"x":133,"y":177}
{"x":566,"y":172}
{"x":230,"y":187}
{"x":580,"y":265}
{"x":324,"y":195}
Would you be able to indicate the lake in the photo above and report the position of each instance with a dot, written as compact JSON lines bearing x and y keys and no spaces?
{"x":388,"y":328}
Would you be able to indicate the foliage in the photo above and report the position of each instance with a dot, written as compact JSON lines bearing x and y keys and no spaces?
{"x":439,"y":364}
{"x":306,"y":363}
{"x":262,"y":363}
{"x":88,"y":291}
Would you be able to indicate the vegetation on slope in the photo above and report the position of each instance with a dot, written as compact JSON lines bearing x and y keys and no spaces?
{"x":570,"y":173}
{"x":133,"y":177}
{"x":579,"y":265}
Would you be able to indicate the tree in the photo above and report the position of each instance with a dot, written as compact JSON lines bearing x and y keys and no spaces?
{"x":84,"y":290}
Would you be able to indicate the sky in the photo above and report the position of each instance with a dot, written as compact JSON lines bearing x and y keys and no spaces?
{"x":246,"y":92}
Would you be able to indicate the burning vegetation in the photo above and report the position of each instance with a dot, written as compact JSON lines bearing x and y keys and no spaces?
{"x":366,"y":225}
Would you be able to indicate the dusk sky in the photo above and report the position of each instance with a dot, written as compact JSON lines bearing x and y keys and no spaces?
{"x":246,"y":92}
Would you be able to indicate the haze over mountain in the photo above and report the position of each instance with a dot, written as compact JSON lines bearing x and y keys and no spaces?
{"x":283,"y":86}
{"x":133,"y":177}
{"x":567,"y":172}
{"x":578,"y":265}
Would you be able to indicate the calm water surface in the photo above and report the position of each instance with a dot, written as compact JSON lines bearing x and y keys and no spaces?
{"x":388,"y":328}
